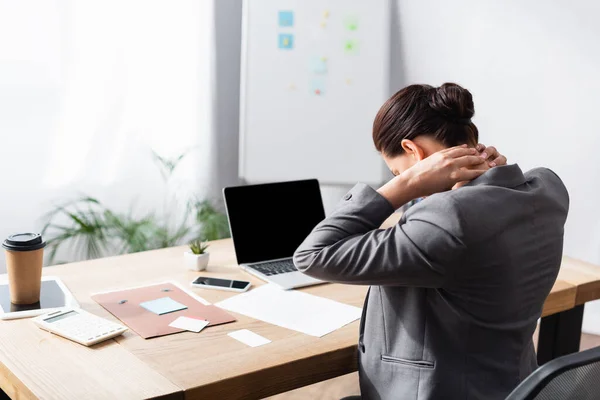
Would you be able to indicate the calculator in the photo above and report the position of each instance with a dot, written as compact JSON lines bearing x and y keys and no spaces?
{"x":79,"y":326}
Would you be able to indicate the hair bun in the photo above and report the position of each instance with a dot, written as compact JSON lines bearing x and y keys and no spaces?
{"x":453,"y":102}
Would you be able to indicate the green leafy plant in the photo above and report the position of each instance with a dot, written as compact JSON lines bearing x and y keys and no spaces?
{"x":92,"y":230}
{"x":83,"y":226}
{"x":198,"y":247}
{"x":212,"y":222}
{"x":167,"y":165}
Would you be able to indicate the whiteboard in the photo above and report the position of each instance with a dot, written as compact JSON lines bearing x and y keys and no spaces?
{"x":314,"y":74}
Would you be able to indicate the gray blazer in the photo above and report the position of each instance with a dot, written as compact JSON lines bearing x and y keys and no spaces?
{"x":457,"y":285}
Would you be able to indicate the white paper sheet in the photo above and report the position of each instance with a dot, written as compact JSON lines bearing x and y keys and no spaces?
{"x":248,"y":337}
{"x":302,"y":312}
{"x":189,"y":324}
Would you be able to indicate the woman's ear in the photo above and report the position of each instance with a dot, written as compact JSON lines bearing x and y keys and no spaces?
{"x":413,"y":150}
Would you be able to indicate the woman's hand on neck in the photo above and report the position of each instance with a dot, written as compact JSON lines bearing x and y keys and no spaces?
{"x":436,"y":173}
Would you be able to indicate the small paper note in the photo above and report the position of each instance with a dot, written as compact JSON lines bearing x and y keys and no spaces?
{"x":286,"y":18}
{"x":326,"y":14}
{"x":317,"y":86}
{"x":286,"y":41}
{"x":164,"y":305}
{"x":189,"y":324}
{"x":351,"y":46}
{"x":351,"y":22}
{"x":248,"y":337}
{"x":318,"y":65}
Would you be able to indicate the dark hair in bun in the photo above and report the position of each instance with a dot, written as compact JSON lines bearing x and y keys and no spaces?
{"x":443,"y":113}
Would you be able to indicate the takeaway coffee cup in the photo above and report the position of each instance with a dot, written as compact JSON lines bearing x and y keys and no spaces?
{"x":24,"y":256}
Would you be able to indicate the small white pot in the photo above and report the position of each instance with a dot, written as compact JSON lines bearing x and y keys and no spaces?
{"x":196,"y":262}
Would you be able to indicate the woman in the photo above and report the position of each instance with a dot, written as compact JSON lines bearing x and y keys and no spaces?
{"x":458,"y":285}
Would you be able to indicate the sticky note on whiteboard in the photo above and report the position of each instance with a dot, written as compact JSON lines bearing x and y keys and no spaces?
{"x":351,"y":46}
{"x":286,"y":41}
{"x":318,"y":65}
{"x":317,"y":86}
{"x":286,"y":18}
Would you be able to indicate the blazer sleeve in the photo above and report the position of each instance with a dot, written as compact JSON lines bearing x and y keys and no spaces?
{"x":348,"y":247}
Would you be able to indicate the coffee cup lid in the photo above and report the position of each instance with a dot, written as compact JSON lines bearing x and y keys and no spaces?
{"x":24,"y":242}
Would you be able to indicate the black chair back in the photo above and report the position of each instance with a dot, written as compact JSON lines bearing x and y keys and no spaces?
{"x":575,"y":376}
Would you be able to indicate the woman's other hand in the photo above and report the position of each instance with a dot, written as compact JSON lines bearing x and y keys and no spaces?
{"x":492,"y":156}
{"x":436,"y":173}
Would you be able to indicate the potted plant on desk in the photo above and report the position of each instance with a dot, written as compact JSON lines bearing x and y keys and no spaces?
{"x":196,"y":258}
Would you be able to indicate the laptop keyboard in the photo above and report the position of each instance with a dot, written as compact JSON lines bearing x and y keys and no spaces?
{"x":274,"y":267}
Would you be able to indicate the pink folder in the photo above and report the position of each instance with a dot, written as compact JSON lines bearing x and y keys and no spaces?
{"x":147,"y":324}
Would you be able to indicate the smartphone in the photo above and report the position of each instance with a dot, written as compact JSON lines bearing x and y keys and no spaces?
{"x":223,"y":284}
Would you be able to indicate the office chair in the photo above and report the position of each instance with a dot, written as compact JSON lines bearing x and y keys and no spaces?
{"x":575,"y":376}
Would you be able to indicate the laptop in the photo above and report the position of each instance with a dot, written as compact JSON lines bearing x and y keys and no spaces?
{"x":268,"y":222}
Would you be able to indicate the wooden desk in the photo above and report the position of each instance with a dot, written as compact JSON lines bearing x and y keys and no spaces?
{"x":584,"y":275}
{"x":34,"y":363}
{"x":209,"y":365}
{"x":560,"y":333}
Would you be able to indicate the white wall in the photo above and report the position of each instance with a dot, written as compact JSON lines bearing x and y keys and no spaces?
{"x":534,"y":70}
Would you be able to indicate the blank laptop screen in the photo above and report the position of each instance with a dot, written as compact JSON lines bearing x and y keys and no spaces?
{"x":270,"y":221}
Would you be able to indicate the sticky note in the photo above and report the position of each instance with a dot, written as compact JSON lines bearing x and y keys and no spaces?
{"x":317,"y":86}
{"x":323,"y":24}
{"x":348,"y":81}
{"x":351,"y":22}
{"x":164,"y":305}
{"x":286,"y":41}
{"x":248,"y":337}
{"x":318,"y":65}
{"x":351,"y":46}
{"x":189,"y":324}
{"x":326,"y":14}
{"x":286,"y":18}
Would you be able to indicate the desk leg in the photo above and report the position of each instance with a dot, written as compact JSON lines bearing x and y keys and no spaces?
{"x":560,"y":334}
